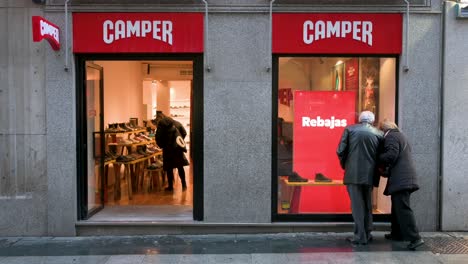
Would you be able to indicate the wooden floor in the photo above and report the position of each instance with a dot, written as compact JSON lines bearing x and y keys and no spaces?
{"x":156,"y":197}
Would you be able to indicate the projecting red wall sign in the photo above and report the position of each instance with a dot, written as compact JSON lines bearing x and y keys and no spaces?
{"x":137,"y":32}
{"x":43,"y":29}
{"x":337,"y":33}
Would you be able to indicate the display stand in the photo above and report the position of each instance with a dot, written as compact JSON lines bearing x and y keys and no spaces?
{"x":291,"y":191}
{"x":133,"y":173}
{"x":133,"y":170}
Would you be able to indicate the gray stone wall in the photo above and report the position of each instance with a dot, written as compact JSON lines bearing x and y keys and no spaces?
{"x":455,"y":127}
{"x":23,"y":153}
{"x":61,"y":134}
{"x":237,"y":120}
{"x":419,"y":112}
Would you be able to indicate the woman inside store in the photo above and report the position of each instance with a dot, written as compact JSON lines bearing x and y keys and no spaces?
{"x":170,"y":136}
{"x":401,"y":183}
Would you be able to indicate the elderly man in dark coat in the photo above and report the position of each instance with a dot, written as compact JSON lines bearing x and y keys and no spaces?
{"x":401,"y":183}
{"x":357,"y":152}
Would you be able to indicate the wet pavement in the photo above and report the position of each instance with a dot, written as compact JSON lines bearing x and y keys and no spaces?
{"x":243,"y":248}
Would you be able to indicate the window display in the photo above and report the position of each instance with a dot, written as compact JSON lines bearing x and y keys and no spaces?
{"x":317,"y":98}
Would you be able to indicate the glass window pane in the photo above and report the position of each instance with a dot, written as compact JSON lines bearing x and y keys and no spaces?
{"x":317,"y":98}
{"x":94,"y":138}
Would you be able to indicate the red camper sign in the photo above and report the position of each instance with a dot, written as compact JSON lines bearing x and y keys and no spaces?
{"x":43,"y":29}
{"x":137,"y":32}
{"x":337,"y":33}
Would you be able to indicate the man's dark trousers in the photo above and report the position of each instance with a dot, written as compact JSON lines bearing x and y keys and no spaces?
{"x":361,"y":206}
{"x":403,"y":223}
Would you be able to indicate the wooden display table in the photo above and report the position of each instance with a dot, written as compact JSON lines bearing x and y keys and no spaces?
{"x":291,"y":191}
{"x":132,"y":172}
{"x":156,"y":179}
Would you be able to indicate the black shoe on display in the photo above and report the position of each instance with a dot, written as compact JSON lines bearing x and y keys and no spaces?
{"x":414,"y":244}
{"x":319,"y":177}
{"x":294,"y":177}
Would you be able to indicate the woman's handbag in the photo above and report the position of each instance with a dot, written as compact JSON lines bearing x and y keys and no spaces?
{"x":384,"y":171}
{"x":179,"y":142}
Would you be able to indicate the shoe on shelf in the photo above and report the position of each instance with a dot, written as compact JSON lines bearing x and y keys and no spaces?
{"x":416,"y":243}
{"x":392,"y":237}
{"x":294,"y":177}
{"x":319,"y":177}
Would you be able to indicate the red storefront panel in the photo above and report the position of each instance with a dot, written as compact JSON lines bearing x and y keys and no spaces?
{"x":319,"y":120}
{"x":337,"y":33}
{"x":137,"y":32}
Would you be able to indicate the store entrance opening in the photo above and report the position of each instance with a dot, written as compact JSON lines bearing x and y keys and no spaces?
{"x":131,"y":156}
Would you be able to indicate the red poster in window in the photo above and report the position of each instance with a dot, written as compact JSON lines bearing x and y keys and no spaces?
{"x":137,"y":32}
{"x":319,"y":120}
{"x":352,"y":75}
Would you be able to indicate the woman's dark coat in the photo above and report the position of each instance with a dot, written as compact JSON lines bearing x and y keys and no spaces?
{"x":357,"y":152}
{"x":398,"y":157}
{"x":166,"y":133}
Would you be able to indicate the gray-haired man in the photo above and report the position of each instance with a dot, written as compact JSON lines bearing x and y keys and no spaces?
{"x":357,"y":152}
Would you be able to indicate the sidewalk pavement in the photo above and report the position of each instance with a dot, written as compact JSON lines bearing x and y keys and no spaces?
{"x":440,"y":247}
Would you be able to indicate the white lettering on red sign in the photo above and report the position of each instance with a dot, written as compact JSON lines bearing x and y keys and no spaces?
{"x":331,"y":122}
{"x":157,"y":29}
{"x":49,"y":30}
{"x":318,"y":30}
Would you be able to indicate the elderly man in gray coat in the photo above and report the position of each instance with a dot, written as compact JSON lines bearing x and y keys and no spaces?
{"x":358,"y":153}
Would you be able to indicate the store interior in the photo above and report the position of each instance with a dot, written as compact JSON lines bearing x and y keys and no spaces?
{"x":134,"y":178}
{"x":372,"y":80}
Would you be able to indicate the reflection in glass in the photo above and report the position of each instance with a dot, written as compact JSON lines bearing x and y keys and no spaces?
{"x":94,"y":153}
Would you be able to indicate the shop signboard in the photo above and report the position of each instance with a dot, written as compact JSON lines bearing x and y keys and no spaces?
{"x":44,"y":29}
{"x":137,"y":32}
{"x":337,"y":33}
{"x":320,"y":118}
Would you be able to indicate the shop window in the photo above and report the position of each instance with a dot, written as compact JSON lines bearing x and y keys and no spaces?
{"x":317,"y":98}
{"x":355,"y":2}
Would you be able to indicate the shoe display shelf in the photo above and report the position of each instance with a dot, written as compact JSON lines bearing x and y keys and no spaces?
{"x":153,"y":179}
{"x":128,"y":142}
{"x":310,"y":182}
{"x":124,"y":143}
{"x":290,"y":192}
{"x":133,"y":173}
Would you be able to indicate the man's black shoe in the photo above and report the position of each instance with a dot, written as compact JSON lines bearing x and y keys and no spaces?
{"x":355,"y":242}
{"x":393,"y":237}
{"x":319,"y":177}
{"x":414,"y":244}
{"x":294,"y":177}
